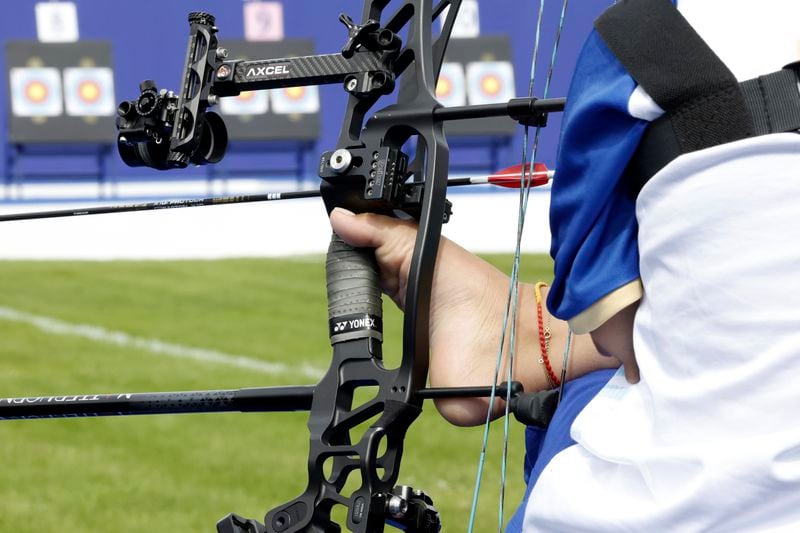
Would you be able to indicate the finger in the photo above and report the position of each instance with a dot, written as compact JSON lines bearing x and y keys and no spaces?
{"x":631,"y":371}
{"x":365,"y":230}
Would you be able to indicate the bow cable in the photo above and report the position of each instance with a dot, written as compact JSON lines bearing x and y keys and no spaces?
{"x":512,"y":300}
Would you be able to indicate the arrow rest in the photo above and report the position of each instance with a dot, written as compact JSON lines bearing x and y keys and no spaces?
{"x":379,"y":182}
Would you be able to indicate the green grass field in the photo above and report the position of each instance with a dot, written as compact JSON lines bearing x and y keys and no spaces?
{"x":183,"y":473}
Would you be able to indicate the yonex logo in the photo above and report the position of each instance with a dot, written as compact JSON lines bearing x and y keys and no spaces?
{"x":358,"y":323}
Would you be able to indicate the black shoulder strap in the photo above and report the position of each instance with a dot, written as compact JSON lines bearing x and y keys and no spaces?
{"x":673,"y":64}
{"x":773,"y":100}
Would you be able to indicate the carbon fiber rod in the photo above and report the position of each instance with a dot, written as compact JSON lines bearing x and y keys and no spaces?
{"x":254,"y":400}
{"x":517,"y":108}
{"x":156,"y":206}
{"x":265,"y":399}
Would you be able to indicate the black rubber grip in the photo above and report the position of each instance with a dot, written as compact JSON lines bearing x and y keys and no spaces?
{"x":536,"y":408}
{"x":355,"y":308}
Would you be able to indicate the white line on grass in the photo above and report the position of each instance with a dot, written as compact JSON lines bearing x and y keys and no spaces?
{"x":100,"y":334}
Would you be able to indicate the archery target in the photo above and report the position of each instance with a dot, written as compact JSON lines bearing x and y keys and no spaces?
{"x":245,"y":103}
{"x":35,"y":92}
{"x":89,"y":91}
{"x":490,"y":82}
{"x":295,"y":100}
{"x":451,"y":88}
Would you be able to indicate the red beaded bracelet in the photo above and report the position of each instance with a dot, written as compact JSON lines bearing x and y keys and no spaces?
{"x":544,"y":337}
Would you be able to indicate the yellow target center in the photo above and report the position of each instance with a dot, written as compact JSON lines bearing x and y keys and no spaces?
{"x":89,"y":92}
{"x":295,"y":93}
{"x":490,"y":85}
{"x":444,"y":87}
{"x":36,"y":92}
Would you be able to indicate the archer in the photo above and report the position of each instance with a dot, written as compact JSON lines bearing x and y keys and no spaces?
{"x":677,"y":264}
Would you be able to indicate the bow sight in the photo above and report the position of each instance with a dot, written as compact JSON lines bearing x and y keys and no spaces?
{"x":366,"y":172}
{"x":163,"y":129}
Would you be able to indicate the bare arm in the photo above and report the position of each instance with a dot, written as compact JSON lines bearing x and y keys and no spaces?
{"x":473,"y":361}
{"x":614,"y":338}
{"x":467,"y":306}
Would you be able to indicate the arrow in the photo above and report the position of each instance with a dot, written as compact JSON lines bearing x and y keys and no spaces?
{"x":508,"y":177}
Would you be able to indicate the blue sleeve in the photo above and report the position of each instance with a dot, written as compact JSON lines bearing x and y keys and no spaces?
{"x":592,"y":213}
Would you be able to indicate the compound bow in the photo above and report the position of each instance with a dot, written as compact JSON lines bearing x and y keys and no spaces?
{"x":367,"y":172}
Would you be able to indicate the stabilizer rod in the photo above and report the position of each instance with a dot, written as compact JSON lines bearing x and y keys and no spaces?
{"x":264,"y":399}
{"x":251,"y":400}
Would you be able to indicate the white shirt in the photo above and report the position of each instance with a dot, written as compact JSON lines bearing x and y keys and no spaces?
{"x":709,"y":440}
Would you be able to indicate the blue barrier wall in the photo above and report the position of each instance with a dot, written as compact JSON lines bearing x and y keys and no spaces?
{"x":149,"y":41}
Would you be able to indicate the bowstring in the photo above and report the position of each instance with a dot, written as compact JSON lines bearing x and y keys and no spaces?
{"x":513,"y":292}
{"x":524,"y":196}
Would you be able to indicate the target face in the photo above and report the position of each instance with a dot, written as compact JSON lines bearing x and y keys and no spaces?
{"x":451,"y":87}
{"x":490,"y":82}
{"x":295,"y":100}
{"x":246,"y":103}
{"x":89,"y":91}
{"x":35,"y":92}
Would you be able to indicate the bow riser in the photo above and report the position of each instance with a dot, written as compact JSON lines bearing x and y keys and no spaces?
{"x":357,"y":362}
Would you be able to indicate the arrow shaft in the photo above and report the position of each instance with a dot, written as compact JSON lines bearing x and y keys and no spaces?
{"x":157,"y":206}
{"x":504,"y":179}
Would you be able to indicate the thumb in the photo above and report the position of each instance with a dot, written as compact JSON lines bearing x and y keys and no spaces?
{"x":362,"y":231}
